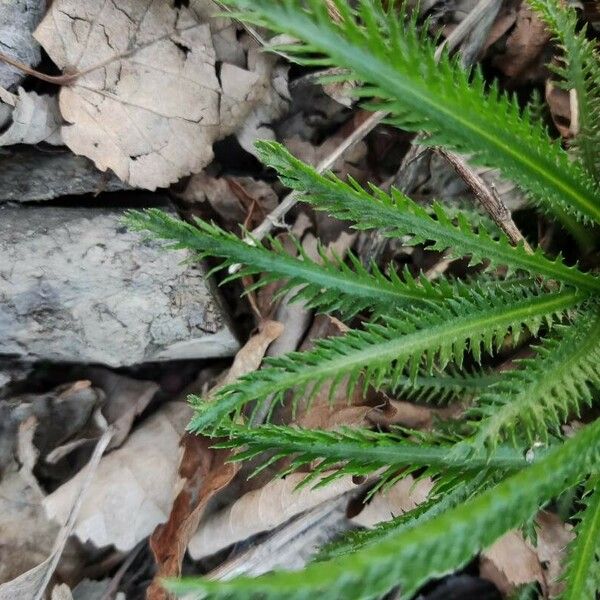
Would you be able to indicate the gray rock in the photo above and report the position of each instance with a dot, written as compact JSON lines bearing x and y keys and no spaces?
{"x":77,"y":286}
{"x":18,"y":19}
{"x":29,"y":174}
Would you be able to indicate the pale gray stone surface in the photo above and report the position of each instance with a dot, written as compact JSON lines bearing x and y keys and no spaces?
{"x":77,"y":286}
{"x":30,"y":174}
{"x":18,"y":18}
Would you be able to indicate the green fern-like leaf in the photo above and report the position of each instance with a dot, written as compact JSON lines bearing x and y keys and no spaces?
{"x":578,"y":71}
{"x":442,"y":388}
{"x":582,"y":575}
{"x":356,"y":452}
{"x":379,"y":353}
{"x":396,"y":215}
{"x":329,"y":286}
{"x":432,"y":549}
{"x":396,"y":64}
{"x":545,"y":390}
{"x":446,"y":494}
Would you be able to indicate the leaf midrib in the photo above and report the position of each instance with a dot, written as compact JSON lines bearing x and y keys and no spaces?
{"x":422,"y":339}
{"x":454,"y":238}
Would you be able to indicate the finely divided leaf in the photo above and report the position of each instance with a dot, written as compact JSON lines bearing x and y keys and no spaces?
{"x":396,"y":215}
{"x":416,"y":339}
{"x":396,"y":64}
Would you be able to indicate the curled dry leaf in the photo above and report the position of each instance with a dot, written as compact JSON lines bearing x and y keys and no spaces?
{"x":147,"y":102}
{"x":203,"y":471}
{"x":262,"y":510}
{"x":35,"y":119}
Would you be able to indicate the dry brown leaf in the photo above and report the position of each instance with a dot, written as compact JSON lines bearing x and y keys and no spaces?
{"x":231,"y":198}
{"x":323,"y":416}
{"x":523,"y":59}
{"x":204,"y":471}
{"x":148,"y":103}
{"x":397,"y":412}
{"x":323,"y":407}
{"x":262,"y":510}
{"x":510,"y":562}
{"x":513,"y":561}
{"x":553,"y":538}
{"x":248,"y":359}
{"x":132,"y":490}
{"x":152,"y":114}
{"x":35,"y":119}
{"x":400,"y":498}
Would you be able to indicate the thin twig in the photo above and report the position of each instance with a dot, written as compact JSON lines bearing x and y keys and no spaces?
{"x":467,"y":25}
{"x":275,"y":217}
{"x":114,"y":583}
{"x":56,"y":79}
{"x":488,"y":198}
{"x":69,"y":78}
{"x":67,"y":529}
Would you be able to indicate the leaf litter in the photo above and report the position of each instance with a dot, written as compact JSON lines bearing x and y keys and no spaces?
{"x":123,"y":54}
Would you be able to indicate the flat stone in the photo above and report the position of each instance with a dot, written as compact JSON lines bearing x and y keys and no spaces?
{"x":29,"y":174}
{"x":77,"y":286}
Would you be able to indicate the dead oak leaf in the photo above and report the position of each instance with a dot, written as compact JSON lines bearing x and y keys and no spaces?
{"x":146,"y":104}
{"x":204,"y":471}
